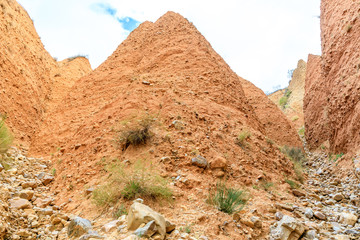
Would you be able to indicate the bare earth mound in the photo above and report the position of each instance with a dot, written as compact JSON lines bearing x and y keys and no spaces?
{"x":31,"y":80}
{"x":169,"y":71}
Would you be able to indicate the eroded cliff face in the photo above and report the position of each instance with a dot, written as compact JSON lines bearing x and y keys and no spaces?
{"x":25,"y":67}
{"x":31,"y":81}
{"x":336,"y":113}
{"x":294,"y":95}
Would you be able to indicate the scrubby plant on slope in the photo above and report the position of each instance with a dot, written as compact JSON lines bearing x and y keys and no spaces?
{"x":5,"y":136}
{"x":296,"y":155}
{"x":131,"y":183}
{"x":226,"y":199}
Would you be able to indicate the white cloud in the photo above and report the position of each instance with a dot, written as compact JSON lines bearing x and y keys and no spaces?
{"x":259,"y":39}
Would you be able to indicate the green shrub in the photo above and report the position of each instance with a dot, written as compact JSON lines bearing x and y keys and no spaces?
{"x":241,"y":139}
{"x":297,"y":156}
{"x":6,"y":137}
{"x":267,"y":185}
{"x":77,"y":56}
{"x":336,"y":157}
{"x":292,"y":184}
{"x":121,"y":210}
{"x":283,"y":101}
{"x":137,"y":134}
{"x":301,"y":131}
{"x":135,"y":182}
{"x":228,"y":200}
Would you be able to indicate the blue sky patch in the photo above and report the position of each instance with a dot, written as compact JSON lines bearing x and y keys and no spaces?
{"x":128,"y":23}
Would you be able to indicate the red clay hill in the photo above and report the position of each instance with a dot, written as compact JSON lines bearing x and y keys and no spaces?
{"x":169,"y":71}
{"x":332,"y":100}
{"x":30,"y":79}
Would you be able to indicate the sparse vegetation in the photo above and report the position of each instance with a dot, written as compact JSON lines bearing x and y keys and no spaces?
{"x":121,"y":210}
{"x":228,"y":200}
{"x":283,"y":101}
{"x":136,"y":135}
{"x":348,"y":28}
{"x":335,"y":157}
{"x":269,"y":141}
{"x":6,"y":137}
{"x":293,"y":184}
{"x":301,"y":131}
{"x":266,"y":185}
{"x":295,"y":118}
{"x":186,"y":229}
{"x":138,"y":181}
{"x":77,"y":56}
{"x":53,"y":171}
{"x":297,"y":156}
{"x":242,"y":137}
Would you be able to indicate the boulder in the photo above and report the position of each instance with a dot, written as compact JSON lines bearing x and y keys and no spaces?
{"x":218,"y":163}
{"x":140,"y":214}
{"x":20,"y":203}
{"x":288,"y":228}
{"x":348,"y":218}
{"x":147,"y":231}
{"x":78,"y":226}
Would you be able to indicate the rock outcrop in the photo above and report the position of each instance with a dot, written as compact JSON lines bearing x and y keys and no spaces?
{"x":336,"y":78}
{"x":290,"y":100}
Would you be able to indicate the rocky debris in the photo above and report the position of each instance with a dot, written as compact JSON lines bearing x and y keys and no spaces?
{"x":327,"y":206}
{"x":23,"y":199}
{"x":78,"y":227}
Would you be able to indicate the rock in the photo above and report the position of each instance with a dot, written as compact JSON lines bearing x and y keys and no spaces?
{"x":140,"y":213}
{"x":169,"y":226}
{"x":279,"y":215}
{"x":257,"y":222}
{"x":147,"y":231}
{"x":338,"y":197}
{"x":31,"y":184}
{"x":89,"y":190}
{"x":348,"y":218}
{"x":1,"y":167}
{"x":91,"y":234}
{"x":26,"y":194}
{"x":42,"y":203}
{"x":78,"y":226}
{"x":20,"y":203}
{"x":284,"y":206}
{"x":319,"y":215}
{"x":132,"y":237}
{"x":199,"y":161}
{"x":47,"y":179}
{"x":298,"y":193}
{"x":288,"y":228}
{"x":341,"y":237}
{"x":109,"y":227}
{"x":311,"y":234}
{"x":218,"y":163}
{"x":309,"y":213}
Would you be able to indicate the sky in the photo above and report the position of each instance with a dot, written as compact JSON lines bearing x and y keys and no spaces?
{"x":260,"y":39}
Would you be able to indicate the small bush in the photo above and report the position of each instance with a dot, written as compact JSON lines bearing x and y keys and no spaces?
{"x":292,"y":184}
{"x":295,"y":118}
{"x":228,"y":200}
{"x":336,"y":157}
{"x":136,"y":135}
{"x":121,"y":210}
{"x":301,"y":131}
{"x":135,"y":182}
{"x":241,"y":139}
{"x":297,"y":156}
{"x":283,"y":101}
{"x":77,"y":56}
{"x":267,"y":185}
{"x":6,"y":137}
